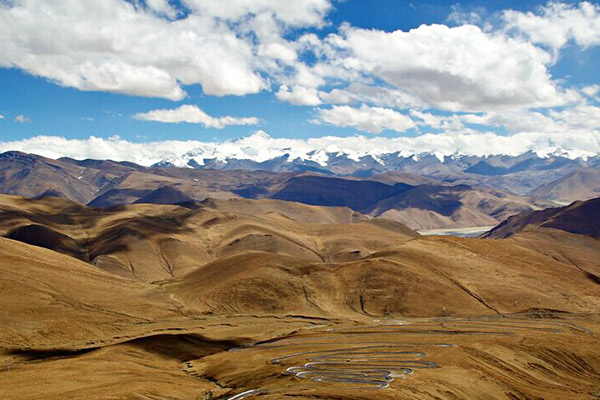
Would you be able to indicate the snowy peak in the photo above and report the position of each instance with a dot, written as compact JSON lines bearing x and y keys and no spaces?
{"x":259,"y":135}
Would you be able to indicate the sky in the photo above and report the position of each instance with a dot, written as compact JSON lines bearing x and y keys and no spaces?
{"x":120,"y":72}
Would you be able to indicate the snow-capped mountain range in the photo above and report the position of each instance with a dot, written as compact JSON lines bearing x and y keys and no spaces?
{"x":261,"y":151}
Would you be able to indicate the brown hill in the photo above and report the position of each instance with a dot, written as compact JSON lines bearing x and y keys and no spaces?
{"x":164,"y":195}
{"x":342,"y":266}
{"x":168,"y":291}
{"x":324,"y":191}
{"x":581,"y":217}
{"x":56,"y":301}
{"x":426,"y":206}
{"x":155,"y":242}
{"x":425,"y":276}
{"x":29,"y":175}
{"x":430,"y":207}
{"x":42,"y":236}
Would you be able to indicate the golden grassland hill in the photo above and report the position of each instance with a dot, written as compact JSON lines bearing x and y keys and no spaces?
{"x":280,"y":257}
{"x":146,"y":300}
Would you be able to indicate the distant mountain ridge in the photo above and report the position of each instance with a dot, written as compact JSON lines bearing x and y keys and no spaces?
{"x":521,"y":174}
{"x":421,"y":206}
{"x":423,"y":193}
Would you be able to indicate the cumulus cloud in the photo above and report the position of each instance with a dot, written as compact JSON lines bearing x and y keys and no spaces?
{"x":558,"y":23}
{"x":297,"y":13}
{"x":358,"y":92}
{"x":367,"y":119}
{"x":592,"y":92}
{"x":462,"y":69}
{"x":193,"y":115}
{"x":1,"y":116}
{"x":446,"y":123}
{"x":579,"y":118}
{"x":299,"y":95}
{"x":461,"y":16}
{"x":458,"y":69}
{"x":514,"y":121}
{"x":126,"y":47}
{"x":21,"y":119}
{"x":583,"y":116}
{"x":112,"y":148}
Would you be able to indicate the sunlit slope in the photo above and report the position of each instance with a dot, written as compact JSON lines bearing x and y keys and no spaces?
{"x":159,"y":242}
{"x":422,"y":277}
{"x":52,"y":300}
{"x":272,"y":257}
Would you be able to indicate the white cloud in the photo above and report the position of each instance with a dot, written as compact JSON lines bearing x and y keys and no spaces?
{"x":1,"y":116}
{"x":358,"y":92}
{"x":365,"y":118}
{"x":583,"y":116}
{"x":297,"y":13}
{"x":447,"y":123}
{"x":21,"y":119}
{"x":299,"y":95}
{"x":557,"y":23}
{"x":515,"y":121}
{"x":461,"y":16}
{"x":99,"y":148}
{"x":193,"y":115}
{"x":279,"y":51}
{"x":579,"y":118}
{"x":457,"y":69}
{"x":592,"y":91}
{"x":374,"y":80}
{"x":124,"y":47}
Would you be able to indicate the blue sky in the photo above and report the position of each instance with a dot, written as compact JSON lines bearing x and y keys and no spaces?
{"x":60,"y":86}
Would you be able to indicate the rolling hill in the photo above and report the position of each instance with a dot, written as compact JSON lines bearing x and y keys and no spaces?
{"x":163,"y":301}
{"x":294,"y":249}
{"x":580,"y":217}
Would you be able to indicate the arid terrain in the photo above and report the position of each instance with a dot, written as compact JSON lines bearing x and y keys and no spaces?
{"x":239,"y":298}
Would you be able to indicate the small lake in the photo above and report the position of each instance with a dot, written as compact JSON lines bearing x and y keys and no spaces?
{"x":473,"y":231}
